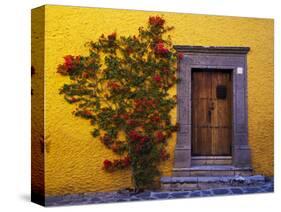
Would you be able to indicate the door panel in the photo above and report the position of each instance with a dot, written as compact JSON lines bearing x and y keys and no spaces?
{"x":220,"y":141}
{"x":211,"y":112}
{"x":201,"y":92}
{"x":201,"y":135}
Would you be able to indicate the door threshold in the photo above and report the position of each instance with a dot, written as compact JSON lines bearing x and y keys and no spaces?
{"x":211,"y":160}
{"x":211,"y":157}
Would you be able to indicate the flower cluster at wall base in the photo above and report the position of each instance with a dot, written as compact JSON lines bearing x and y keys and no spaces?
{"x":122,"y":88}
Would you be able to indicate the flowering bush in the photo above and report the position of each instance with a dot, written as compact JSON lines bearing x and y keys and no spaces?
{"x":122,"y":87}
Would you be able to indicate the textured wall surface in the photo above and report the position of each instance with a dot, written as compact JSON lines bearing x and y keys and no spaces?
{"x":74,"y":159}
{"x":37,"y":102}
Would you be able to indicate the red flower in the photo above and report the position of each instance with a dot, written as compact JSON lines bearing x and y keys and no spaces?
{"x":155,"y":118}
{"x":68,"y":61}
{"x":180,"y":56}
{"x":107,"y":164}
{"x":127,"y":161}
{"x":157,"y":78}
{"x":156,"y":21}
{"x":85,"y":75}
{"x":160,"y":49}
{"x":138,"y":102}
{"x":131,"y":122}
{"x":112,"y":36}
{"x":124,"y":116}
{"x":73,"y":99}
{"x":87,"y":112}
{"x":134,"y":135}
{"x":142,"y":103}
{"x":160,"y":136}
{"x":113,"y":85}
{"x":66,"y":66}
{"x":144,"y":139}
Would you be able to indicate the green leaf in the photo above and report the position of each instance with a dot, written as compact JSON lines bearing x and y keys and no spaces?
{"x":95,"y":133}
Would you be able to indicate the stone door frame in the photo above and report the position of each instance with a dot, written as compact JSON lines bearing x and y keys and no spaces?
{"x":234,"y":58}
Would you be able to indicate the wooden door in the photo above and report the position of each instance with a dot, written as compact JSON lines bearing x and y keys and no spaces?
{"x":211,"y":112}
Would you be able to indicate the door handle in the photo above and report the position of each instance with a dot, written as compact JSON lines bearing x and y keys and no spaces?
{"x":209,"y":116}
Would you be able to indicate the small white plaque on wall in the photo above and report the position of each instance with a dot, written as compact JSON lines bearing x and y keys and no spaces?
{"x":239,"y":70}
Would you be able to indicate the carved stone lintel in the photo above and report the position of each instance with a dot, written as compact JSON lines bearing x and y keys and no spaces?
{"x":212,"y":49}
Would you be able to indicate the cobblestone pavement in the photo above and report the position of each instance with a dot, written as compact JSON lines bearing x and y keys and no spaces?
{"x":109,"y":197}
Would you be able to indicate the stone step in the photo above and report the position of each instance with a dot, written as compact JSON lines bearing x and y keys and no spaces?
{"x":212,"y":170}
{"x":211,"y":160}
{"x":201,"y":182}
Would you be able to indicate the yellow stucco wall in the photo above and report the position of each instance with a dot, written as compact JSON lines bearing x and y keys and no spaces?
{"x":37,"y":102}
{"x":73,"y":160}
